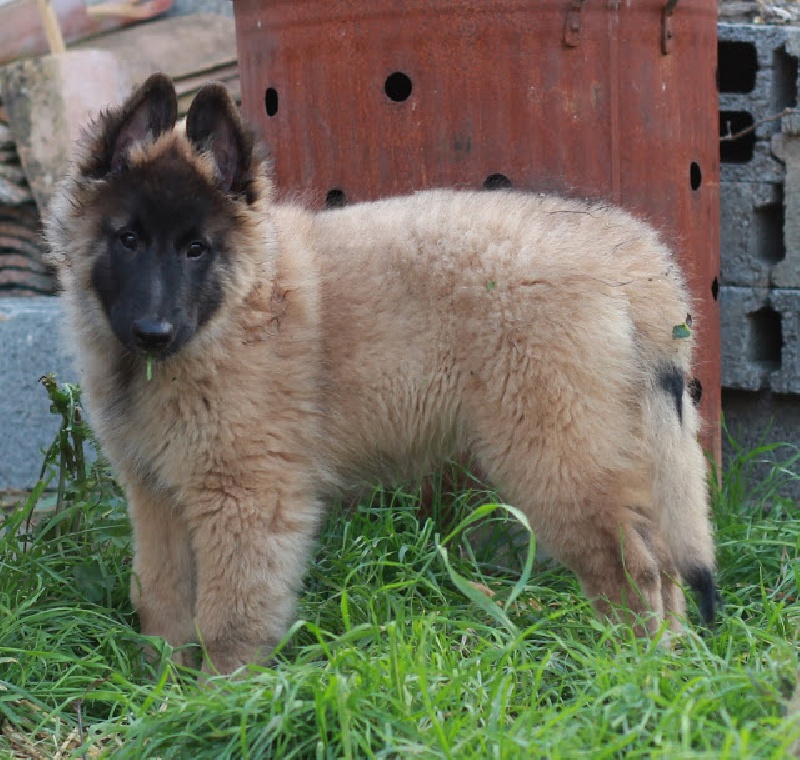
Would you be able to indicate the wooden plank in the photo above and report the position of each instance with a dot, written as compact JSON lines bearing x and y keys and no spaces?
{"x":6,"y":138}
{"x":11,"y":192}
{"x":22,"y":263}
{"x":23,"y":215}
{"x":22,"y":34}
{"x":24,"y":234}
{"x":25,"y":249}
{"x":197,"y":79}
{"x":21,"y":229}
{"x":179,"y":46}
{"x":22,"y":246}
{"x":11,"y":245}
{"x":18,"y":237}
{"x":15,"y":239}
{"x":12,"y":278}
{"x":12,"y":173}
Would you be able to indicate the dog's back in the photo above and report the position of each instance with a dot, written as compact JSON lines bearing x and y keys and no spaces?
{"x":534,"y":331}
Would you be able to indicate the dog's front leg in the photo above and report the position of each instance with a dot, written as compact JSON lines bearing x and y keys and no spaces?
{"x":251,"y":548}
{"x":162,"y":585}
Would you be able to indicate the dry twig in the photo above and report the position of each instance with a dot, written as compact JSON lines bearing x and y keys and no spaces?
{"x":752,"y":128}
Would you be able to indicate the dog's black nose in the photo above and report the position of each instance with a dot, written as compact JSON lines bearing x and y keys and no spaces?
{"x":152,"y":336}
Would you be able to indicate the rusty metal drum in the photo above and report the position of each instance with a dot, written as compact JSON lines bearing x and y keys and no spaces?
{"x":359,"y":99}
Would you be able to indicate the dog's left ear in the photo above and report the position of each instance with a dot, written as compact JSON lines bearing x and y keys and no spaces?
{"x":150,"y":111}
{"x":213,"y":125}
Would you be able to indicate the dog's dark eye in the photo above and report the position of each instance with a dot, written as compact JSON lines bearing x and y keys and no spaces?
{"x":128,"y":240}
{"x":196,"y":249}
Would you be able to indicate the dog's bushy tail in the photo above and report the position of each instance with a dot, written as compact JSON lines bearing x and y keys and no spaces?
{"x":672,"y":425}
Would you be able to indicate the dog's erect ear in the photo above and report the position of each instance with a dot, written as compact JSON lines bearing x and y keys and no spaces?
{"x":150,"y":110}
{"x":213,"y":125}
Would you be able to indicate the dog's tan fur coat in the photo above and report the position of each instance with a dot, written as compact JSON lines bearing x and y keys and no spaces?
{"x":369,"y":343}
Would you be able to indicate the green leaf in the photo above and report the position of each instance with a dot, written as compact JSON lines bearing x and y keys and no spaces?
{"x":478,"y":598}
{"x":681,"y":331}
{"x":149,"y":367}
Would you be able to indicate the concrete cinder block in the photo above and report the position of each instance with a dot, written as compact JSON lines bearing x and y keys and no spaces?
{"x":755,"y":419}
{"x":738,"y":370}
{"x":758,"y":69}
{"x":30,"y":346}
{"x":751,"y":235}
{"x":760,"y":339}
{"x":762,"y":166}
{"x":786,"y":303}
{"x":787,"y":272}
{"x":758,"y":79}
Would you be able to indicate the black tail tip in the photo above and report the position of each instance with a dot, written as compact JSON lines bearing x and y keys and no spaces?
{"x":701,"y":581}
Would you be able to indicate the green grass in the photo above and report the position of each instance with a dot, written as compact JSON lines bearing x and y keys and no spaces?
{"x":399,"y":651}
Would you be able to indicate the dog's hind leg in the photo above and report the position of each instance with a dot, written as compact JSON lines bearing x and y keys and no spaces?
{"x":605,"y":532}
{"x":162,"y":584}
{"x":570,"y":455}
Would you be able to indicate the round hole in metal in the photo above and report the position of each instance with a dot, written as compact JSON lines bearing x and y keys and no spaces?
{"x":497,"y":182}
{"x":398,"y":87}
{"x":336,"y":198}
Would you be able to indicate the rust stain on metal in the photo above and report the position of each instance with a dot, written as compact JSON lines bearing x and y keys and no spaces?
{"x":667,"y":32}
{"x":572,"y":24}
{"x":372,"y":98}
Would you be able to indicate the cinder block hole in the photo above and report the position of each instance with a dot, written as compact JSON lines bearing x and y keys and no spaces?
{"x":767,"y":231}
{"x":737,"y":64}
{"x":784,"y":83}
{"x":738,"y":151}
{"x":336,"y":198}
{"x":695,"y":175}
{"x":398,"y":87}
{"x":496,"y":182}
{"x":271,"y":101}
{"x":766,"y":338}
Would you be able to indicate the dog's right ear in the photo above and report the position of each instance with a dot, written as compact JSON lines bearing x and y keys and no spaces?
{"x":213,"y":126}
{"x":150,"y":110}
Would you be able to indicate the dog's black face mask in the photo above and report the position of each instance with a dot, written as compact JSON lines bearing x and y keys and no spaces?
{"x":161,"y":257}
{"x":162,"y":260}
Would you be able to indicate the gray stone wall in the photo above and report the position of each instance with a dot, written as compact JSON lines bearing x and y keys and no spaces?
{"x":30,"y":346}
{"x":760,"y":235}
